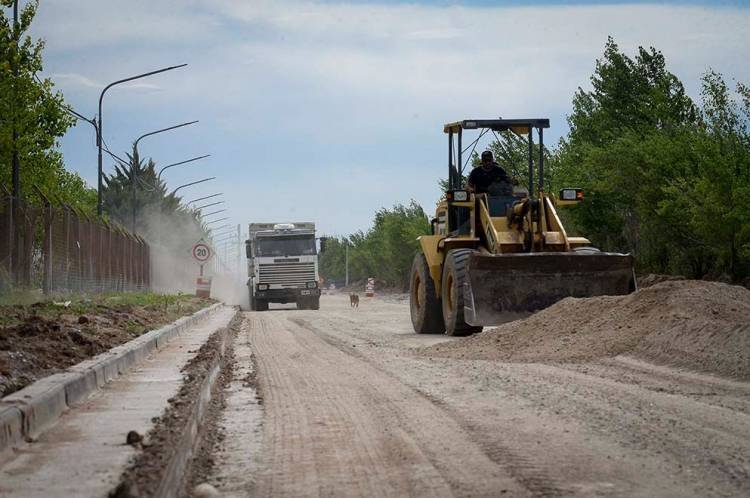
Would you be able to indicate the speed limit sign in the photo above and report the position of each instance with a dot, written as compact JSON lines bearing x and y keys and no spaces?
{"x":202,"y":252}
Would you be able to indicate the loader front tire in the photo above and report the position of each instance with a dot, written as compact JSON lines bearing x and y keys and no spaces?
{"x":426,"y":312}
{"x":452,"y":293}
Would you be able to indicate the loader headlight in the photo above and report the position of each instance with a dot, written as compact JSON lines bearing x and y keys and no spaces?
{"x":571,"y":194}
{"x":262,"y":286}
{"x":312,"y":285}
{"x":457,"y":195}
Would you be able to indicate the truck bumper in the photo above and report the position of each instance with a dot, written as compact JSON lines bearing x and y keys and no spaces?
{"x":286,"y":295}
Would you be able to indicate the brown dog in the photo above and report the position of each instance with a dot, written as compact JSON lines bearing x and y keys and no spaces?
{"x":354,"y":300}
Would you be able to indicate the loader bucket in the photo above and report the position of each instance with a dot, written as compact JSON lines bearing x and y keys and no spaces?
{"x":504,"y":287}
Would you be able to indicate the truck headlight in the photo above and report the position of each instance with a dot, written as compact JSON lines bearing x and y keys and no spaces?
{"x":461,"y":196}
{"x":312,"y":285}
{"x":262,"y":286}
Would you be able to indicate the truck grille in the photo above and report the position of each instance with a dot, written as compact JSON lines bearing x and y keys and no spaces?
{"x":286,"y":273}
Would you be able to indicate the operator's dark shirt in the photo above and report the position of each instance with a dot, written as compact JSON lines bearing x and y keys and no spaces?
{"x":481,"y":179}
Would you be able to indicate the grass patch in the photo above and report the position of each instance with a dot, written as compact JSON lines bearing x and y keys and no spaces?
{"x":18,"y":305}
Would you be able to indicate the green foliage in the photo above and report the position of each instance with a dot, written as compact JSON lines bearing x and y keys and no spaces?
{"x":35,"y":110}
{"x":86,"y":304}
{"x":666,"y":179}
{"x":385,"y":251}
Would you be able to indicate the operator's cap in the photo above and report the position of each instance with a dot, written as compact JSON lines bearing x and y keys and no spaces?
{"x":487,"y":155}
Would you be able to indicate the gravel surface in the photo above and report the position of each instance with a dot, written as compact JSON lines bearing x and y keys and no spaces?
{"x":352,"y":406}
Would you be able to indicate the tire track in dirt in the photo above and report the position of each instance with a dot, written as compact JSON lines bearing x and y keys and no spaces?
{"x":592,"y":429}
{"x":533,"y":476}
{"x":335,"y":425}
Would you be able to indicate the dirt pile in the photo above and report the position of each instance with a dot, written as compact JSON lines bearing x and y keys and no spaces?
{"x":702,"y":326}
{"x":44,"y":338}
{"x":655,"y":278}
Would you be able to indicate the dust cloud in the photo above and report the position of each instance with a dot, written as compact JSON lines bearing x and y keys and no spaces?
{"x":173,"y":268}
{"x":230,"y":288}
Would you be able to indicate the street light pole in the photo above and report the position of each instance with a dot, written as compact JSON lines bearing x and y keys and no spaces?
{"x":100,"y":138}
{"x":192,"y":183}
{"x":212,"y":213}
{"x":204,"y":198}
{"x":208,"y":205}
{"x":136,"y":159}
{"x":158,"y":177}
{"x":216,"y":221}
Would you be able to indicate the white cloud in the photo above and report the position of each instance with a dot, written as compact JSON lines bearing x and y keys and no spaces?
{"x":363,"y":84}
{"x":83,"y":81}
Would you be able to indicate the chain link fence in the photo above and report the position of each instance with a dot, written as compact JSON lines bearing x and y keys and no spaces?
{"x":58,"y":249}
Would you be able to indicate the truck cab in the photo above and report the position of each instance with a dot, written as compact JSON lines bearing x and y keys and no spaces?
{"x":282,"y":266}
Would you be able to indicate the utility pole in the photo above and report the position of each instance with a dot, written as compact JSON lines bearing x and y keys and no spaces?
{"x":135,"y":162}
{"x":15,"y":175}
{"x":346,"y":262}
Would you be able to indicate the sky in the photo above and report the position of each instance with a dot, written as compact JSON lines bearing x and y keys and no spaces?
{"x":328,"y":111}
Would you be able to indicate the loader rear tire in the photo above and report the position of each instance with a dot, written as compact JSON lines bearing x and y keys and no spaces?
{"x":426,"y":312}
{"x":452,"y":293}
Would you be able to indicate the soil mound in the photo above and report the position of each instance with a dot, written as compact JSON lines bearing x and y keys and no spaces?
{"x":655,"y":278}
{"x":702,"y":326}
{"x":48,"y":337}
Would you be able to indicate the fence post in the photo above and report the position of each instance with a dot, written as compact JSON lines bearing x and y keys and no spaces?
{"x":95,"y":267}
{"x":6,"y":246}
{"x":29,"y":218}
{"x":80,"y":248}
{"x":132,"y":280}
{"x":66,"y":247}
{"x":147,"y":266}
{"x":47,"y":277}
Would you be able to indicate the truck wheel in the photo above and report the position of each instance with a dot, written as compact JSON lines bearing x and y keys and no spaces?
{"x":426,"y":314}
{"x":454,"y":275}
{"x":253,"y":303}
{"x":261,"y":305}
{"x":302,"y":303}
{"x":315,"y":303}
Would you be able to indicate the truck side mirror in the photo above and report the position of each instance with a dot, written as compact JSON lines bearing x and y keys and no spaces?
{"x":323,"y":241}
{"x":248,"y":249}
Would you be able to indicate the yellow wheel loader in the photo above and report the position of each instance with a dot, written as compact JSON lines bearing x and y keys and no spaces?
{"x":502,"y":255}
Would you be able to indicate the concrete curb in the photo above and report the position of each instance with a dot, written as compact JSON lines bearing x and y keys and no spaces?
{"x":172,"y":482}
{"x":26,"y":413}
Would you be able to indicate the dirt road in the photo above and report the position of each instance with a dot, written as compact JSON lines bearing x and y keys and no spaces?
{"x":349,"y":408}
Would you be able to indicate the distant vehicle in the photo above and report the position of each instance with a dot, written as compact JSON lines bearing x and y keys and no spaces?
{"x":282,"y":264}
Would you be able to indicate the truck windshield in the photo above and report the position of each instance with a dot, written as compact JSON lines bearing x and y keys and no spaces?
{"x":301,"y":245}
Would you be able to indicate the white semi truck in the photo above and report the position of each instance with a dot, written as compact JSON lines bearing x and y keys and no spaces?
{"x":282,"y":265}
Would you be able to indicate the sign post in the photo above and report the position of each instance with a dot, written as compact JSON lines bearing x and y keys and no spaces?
{"x":370,"y":287}
{"x":202,"y":252}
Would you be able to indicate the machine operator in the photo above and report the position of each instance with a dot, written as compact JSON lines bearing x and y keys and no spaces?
{"x":487,"y":174}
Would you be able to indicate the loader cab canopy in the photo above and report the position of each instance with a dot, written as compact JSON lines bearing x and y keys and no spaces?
{"x":456,"y":150}
{"x":520,"y":126}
